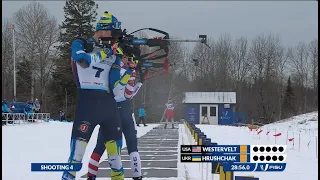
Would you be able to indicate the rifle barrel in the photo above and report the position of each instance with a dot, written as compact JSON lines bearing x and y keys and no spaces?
{"x":183,"y":40}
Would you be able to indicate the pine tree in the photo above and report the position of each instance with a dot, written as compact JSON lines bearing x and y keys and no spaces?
{"x":289,"y":108}
{"x":80,"y":16}
{"x":24,"y":77}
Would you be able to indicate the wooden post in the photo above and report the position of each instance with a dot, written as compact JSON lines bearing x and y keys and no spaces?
{"x":275,"y":137}
{"x":316,"y":146}
{"x":299,"y":144}
{"x":287,"y":138}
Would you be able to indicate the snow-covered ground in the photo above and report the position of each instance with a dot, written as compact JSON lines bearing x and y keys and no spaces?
{"x":302,"y":161}
{"x":44,"y":143}
{"x":49,"y":142}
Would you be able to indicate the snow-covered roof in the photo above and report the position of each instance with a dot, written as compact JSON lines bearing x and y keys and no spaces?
{"x":210,"y":97}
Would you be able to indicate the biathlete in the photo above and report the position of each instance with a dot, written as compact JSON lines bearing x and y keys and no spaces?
{"x":169,"y":114}
{"x":123,"y":94}
{"x":96,"y":73}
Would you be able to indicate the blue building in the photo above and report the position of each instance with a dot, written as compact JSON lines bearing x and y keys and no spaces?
{"x":210,"y":107}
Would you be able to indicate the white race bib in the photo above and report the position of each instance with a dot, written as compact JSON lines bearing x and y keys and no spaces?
{"x":170,"y":106}
{"x":96,"y":76}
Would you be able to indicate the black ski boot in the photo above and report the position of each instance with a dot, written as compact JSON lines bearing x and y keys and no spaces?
{"x":137,"y":178}
{"x":165,"y":126}
{"x":172,"y":126}
{"x":91,"y":178}
{"x":145,"y":125}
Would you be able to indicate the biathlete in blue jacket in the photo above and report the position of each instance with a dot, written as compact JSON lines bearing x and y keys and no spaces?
{"x":97,"y":72}
{"x":123,"y":94}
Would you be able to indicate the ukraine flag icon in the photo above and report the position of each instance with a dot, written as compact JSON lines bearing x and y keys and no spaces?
{"x":196,"y":158}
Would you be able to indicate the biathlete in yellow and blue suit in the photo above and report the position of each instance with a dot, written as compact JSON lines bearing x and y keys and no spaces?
{"x":96,"y":74}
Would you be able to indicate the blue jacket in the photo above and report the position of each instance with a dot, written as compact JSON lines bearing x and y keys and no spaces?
{"x":97,"y":56}
{"x":28,"y":108}
{"x":142,"y":112}
{"x":5,"y":108}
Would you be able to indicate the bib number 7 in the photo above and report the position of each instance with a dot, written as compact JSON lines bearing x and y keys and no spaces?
{"x":99,"y":70}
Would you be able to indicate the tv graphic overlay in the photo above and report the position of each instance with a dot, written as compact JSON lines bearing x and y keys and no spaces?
{"x":262,"y":158}
{"x":37,"y":167}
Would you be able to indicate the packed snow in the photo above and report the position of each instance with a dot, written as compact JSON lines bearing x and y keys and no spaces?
{"x":43,"y":143}
{"x":302,"y":160}
{"x":49,"y":142}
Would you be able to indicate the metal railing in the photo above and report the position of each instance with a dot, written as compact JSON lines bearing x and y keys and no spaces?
{"x":21,"y":118}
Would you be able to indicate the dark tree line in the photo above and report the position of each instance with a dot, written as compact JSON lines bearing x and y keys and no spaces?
{"x":289,"y":107}
{"x":272,"y":81}
{"x":44,"y":54}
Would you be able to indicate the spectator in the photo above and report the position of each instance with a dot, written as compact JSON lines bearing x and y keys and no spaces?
{"x":29,"y":111}
{"x":36,"y":106}
{"x":12,"y":108}
{"x":5,"y":109}
{"x":142,"y":114}
{"x":62,"y":115}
